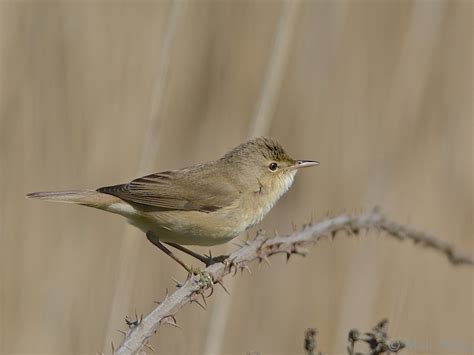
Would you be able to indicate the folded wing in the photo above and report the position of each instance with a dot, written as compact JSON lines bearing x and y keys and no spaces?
{"x":187,"y":190}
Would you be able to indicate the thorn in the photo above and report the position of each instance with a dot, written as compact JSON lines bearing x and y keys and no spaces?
{"x":228,"y":266}
{"x":261,"y":246}
{"x":121,"y":332}
{"x":288,"y":256}
{"x":164,"y":299}
{"x":178,"y":284}
{"x":235,"y":269}
{"x":293,"y":225}
{"x":173,"y":318}
{"x":222,"y":285}
{"x":212,"y":291}
{"x":203,"y":298}
{"x":199,"y":303}
{"x":113,"y":347}
{"x":237,"y":244}
{"x":246,"y":267}
{"x":265,"y":258}
{"x":190,"y":274}
{"x":172,"y":324}
{"x":170,"y":320}
{"x":148,"y":346}
{"x":210,"y":254}
{"x":166,"y":296}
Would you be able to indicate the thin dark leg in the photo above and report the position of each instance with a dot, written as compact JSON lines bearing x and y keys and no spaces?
{"x":198,"y":256}
{"x":154,"y":239}
{"x":207,"y":260}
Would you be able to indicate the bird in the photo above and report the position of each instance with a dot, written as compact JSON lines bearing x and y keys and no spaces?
{"x":205,"y":204}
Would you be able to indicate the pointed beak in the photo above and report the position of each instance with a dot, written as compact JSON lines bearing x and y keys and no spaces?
{"x":305,"y":163}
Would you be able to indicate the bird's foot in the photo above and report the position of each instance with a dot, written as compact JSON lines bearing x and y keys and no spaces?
{"x":210,"y":260}
{"x":207,"y":260}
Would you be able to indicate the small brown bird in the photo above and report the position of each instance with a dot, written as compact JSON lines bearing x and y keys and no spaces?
{"x":205,"y":204}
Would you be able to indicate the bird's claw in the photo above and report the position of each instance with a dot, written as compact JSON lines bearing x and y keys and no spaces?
{"x":210,"y":260}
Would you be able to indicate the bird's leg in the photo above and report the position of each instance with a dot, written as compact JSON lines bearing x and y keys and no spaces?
{"x":207,"y":260}
{"x":154,"y":240}
{"x":198,"y":256}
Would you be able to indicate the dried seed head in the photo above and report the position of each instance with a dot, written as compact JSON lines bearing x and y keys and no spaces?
{"x":354,"y":335}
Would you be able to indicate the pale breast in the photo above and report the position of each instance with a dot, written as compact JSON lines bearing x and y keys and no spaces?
{"x":264,"y":201}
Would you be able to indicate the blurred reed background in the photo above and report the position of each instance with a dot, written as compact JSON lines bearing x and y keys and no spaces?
{"x":95,"y":93}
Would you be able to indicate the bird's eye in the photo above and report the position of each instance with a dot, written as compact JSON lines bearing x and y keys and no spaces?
{"x":273,"y":166}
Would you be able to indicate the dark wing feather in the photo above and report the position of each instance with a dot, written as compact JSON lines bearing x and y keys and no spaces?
{"x":187,"y":190}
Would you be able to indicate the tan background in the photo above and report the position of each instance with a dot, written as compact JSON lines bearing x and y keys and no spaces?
{"x":98,"y":92}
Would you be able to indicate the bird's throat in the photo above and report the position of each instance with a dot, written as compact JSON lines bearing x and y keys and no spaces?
{"x":267,"y":197}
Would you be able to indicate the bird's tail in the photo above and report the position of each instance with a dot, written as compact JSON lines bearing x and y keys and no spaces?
{"x":82,"y":197}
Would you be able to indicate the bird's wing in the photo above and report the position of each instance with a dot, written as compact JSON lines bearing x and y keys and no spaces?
{"x":177,"y":190}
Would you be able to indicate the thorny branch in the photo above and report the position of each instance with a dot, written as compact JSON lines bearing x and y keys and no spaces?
{"x":261,"y":248}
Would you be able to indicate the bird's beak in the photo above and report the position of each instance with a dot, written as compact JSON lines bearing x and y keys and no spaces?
{"x":305,"y":163}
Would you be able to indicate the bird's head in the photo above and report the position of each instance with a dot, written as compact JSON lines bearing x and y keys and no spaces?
{"x":265,"y":159}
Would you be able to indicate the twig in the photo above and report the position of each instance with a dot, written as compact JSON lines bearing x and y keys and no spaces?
{"x":377,"y":340}
{"x":260,"y":249}
{"x":310,"y":341}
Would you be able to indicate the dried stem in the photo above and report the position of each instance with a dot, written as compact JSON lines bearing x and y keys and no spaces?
{"x":260,"y":249}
